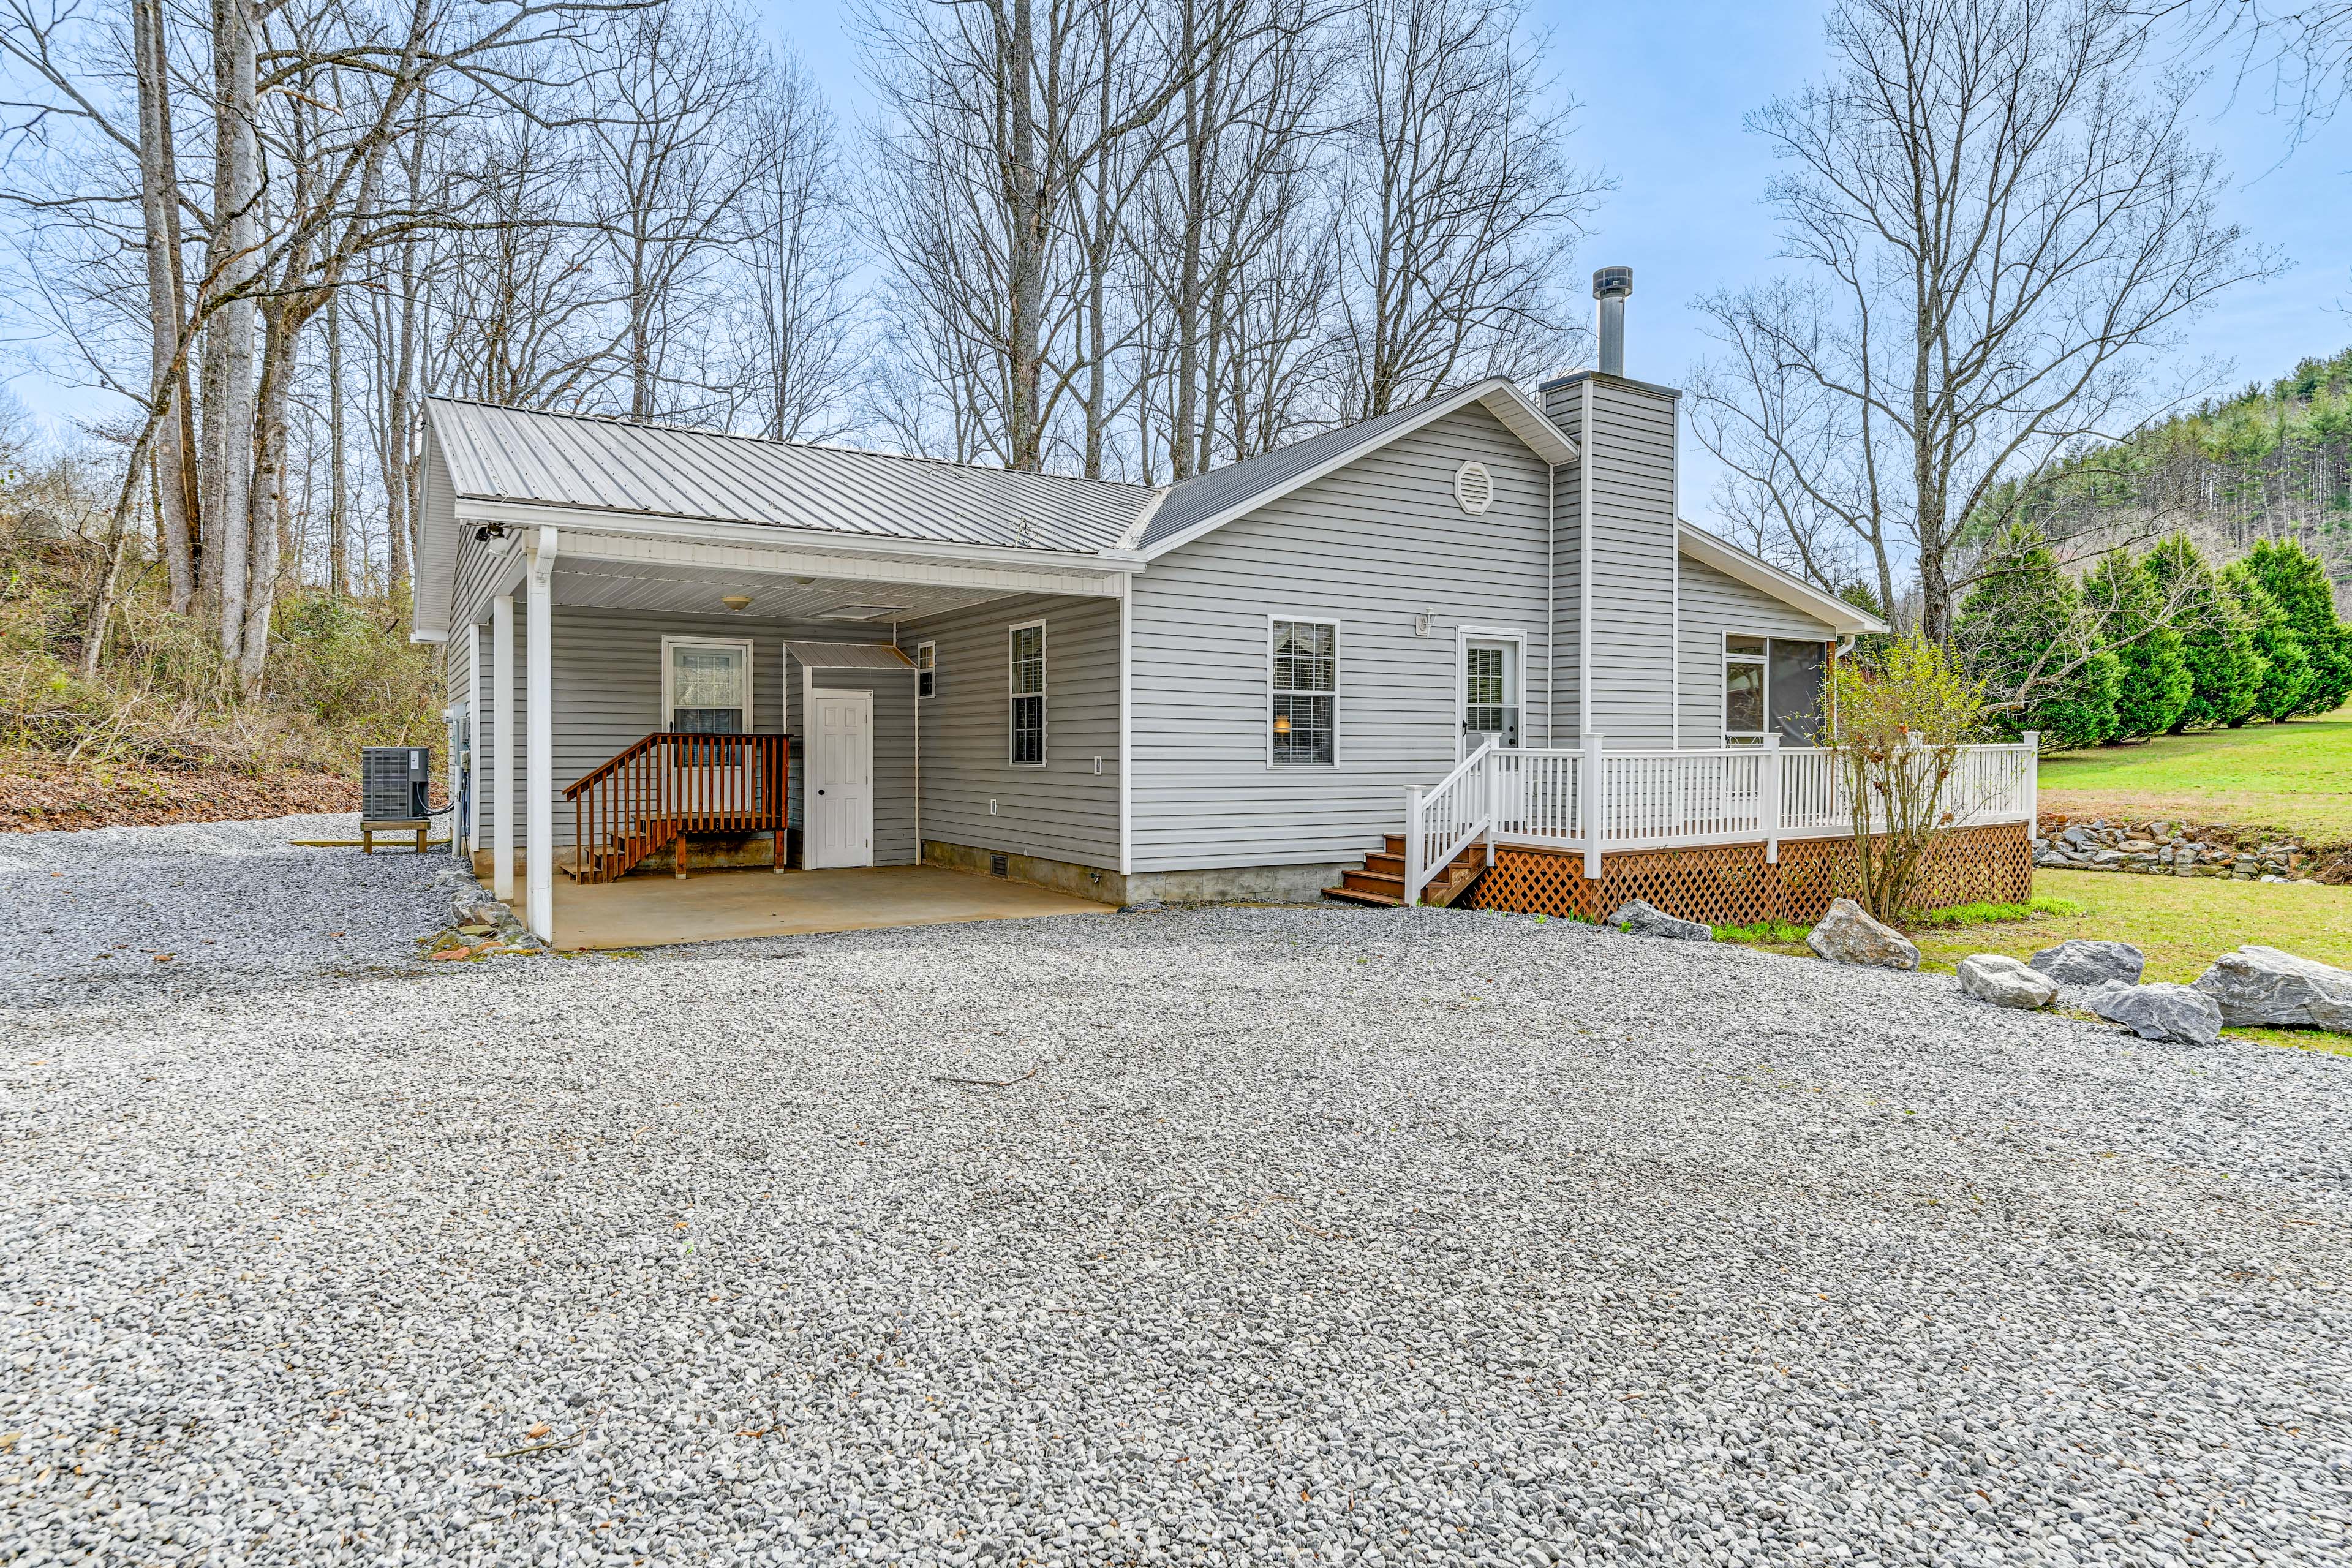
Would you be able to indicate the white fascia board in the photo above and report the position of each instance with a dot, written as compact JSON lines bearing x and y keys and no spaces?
{"x":579,"y":544}
{"x":816,"y":543}
{"x":1767,"y":578}
{"x":1520,"y":414}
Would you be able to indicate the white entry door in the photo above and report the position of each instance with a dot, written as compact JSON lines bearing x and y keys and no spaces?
{"x":1490,"y":692}
{"x":841,"y":782}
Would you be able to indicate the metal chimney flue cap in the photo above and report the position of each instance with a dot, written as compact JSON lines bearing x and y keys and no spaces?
{"x":1613,"y":283}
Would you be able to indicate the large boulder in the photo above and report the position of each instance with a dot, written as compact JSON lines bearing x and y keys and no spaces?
{"x":2084,"y":966}
{"x":2158,"y":1011}
{"x":1637,"y":919}
{"x":1848,"y":934}
{"x":2005,"y":981}
{"x":2262,"y":985}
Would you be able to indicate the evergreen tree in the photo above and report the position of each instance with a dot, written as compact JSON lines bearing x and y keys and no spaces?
{"x":2024,"y":634}
{"x":2122,"y":600}
{"x":2224,"y":672}
{"x":2298,"y":581}
{"x":2286,"y":672}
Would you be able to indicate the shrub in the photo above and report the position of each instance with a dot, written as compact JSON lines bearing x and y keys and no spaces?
{"x":2298,"y":581}
{"x":2153,"y":684}
{"x":1903,"y":715}
{"x":2286,"y":672}
{"x":2027,"y":640}
{"x":2224,"y":671}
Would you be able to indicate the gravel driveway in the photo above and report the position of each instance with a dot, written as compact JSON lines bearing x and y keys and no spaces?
{"x":1350,"y":1236}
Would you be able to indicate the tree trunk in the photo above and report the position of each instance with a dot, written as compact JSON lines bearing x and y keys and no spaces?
{"x":230,"y":454}
{"x":281,"y":323}
{"x":1025,"y":203}
{"x":339,"y":491}
{"x":158,"y":198}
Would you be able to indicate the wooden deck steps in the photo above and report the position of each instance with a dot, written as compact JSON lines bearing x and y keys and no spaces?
{"x":1382,"y":882}
{"x":620,"y":852}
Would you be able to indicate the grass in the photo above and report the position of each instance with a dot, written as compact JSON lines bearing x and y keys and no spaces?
{"x":2293,"y":778}
{"x":2181,"y":923}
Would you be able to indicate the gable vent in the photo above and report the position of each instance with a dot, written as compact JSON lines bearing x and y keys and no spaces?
{"x":1474,"y":487}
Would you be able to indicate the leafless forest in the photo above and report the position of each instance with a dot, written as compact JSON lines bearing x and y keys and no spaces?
{"x":1131,"y":238}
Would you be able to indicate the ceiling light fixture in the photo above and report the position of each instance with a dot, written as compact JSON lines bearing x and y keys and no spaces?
{"x":737,"y":602}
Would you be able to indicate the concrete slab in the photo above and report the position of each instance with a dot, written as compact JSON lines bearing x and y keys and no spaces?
{"x":711,"y":906}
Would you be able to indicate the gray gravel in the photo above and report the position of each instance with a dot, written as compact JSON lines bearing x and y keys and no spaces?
{"x":1367,"y":1236}
{"x":88,"y":916}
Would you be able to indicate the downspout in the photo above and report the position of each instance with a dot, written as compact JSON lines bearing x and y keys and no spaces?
{"x":1125,"y":731}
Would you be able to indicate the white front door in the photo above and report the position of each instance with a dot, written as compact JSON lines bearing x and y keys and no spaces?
{"x":1490,"y":693}
{"x":841,"y":782}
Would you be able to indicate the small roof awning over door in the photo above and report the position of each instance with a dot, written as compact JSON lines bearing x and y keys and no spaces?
{"x":849,"y":655}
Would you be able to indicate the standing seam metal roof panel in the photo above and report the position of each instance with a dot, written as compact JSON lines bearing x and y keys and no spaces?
{"x":515,"y":455}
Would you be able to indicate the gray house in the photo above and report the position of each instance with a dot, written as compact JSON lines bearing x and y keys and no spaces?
{"x":1257,"y":682}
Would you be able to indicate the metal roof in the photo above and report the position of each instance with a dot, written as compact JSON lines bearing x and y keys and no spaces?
{"x":849,"y":655}
{"x":501,"y":454}
{"x":1222,"y":494}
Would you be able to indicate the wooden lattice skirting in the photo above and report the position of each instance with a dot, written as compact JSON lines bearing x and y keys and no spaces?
{"x":1731,"y":884}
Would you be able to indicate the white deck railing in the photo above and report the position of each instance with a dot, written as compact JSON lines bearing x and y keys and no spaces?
{"x":1674,"y":799}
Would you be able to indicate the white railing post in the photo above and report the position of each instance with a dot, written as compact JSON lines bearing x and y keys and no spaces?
{"x":1596,"y":811}
{"x":1414,"y":827}
{"x":1494,"y":770}
{"x":2032,"y":801}
{"x":1770,"y":807}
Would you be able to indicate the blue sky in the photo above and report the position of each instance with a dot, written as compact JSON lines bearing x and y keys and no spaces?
{"x":1664,"y":90}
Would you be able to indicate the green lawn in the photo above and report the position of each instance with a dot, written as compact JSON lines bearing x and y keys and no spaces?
{"x":2181,"y":923}
{"x":2293,"y":778}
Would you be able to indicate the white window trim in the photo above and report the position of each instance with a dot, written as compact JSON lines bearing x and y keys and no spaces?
{"x":1763,"y":662}
{"x":669,"y":693}
{"x":1265,"y":719}
{"x":932,"y":646}
{"x":1045,"y":685}
{"x":1462,"y":637}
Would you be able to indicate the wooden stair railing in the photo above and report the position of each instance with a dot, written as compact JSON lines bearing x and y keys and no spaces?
{"x":671,"y":784}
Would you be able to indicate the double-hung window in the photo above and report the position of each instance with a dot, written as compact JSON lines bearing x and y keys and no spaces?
{"x":1304,"y":684}
{"x":705,"y":686}
{"x":1773,"y":686}
{"x":1026,"y":650}
{"x":927,"y":669}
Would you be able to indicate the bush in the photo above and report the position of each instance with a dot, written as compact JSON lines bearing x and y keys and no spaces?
{"x":1903,"y":715}
{"x":2153,"y":684}
{"x":2026,"y":638}
{"x":2225,"y":673}
{"x":2286,"y":673}
{"x":2298,"y":581}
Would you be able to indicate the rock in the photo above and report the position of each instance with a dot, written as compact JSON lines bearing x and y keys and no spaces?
{"x":1848,"y":934}
{"x":2136,"y":846}
{"x":2158,"y":1011}
{"x":2080,"y":964}
{"x":1635,"y":918}
{"x":2262,"y":985}
{"x":2005,"y":981}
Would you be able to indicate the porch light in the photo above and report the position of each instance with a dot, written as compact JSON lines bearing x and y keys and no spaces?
{"x":737,"y":602}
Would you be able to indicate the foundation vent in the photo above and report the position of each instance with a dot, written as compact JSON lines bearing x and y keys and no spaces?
{"x":1000,"y":865}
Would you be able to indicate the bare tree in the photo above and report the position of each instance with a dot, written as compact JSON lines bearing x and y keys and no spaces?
{"x":1461,"y":211}
{"x":1996,"y":223}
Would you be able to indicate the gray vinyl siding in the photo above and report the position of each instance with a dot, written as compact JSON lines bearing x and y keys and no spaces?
{"x":1370,"y":545}
{"x":1566,"y":410}
{"x":1064,"y":810}
{"x":1712,"y":606}
{"x":894,"y":753}
{"x":607,"y":690}
{"x":1627,"y":470}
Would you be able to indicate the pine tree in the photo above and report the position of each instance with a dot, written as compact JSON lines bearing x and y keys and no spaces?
{"x":2286,"y":671}
{"x":2122,"y":600}
{"x":2024,"y":633}
{"x":2298,"y":581}
{"x":2224,"y":672}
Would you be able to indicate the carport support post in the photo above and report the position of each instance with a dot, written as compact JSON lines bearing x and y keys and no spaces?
{"x":1593,"y":797}
{"x":502,"y":749}
{"x":539,"y":783}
